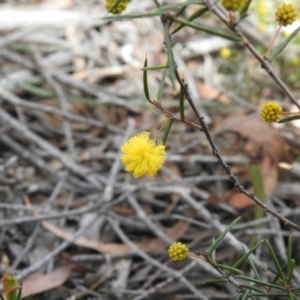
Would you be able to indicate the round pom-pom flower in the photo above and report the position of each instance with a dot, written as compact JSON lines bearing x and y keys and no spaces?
{"x":286,"y":14}
{"x":178,"y":251}
{"x":142,"y":156}
{"x":225,"y":52}
{"x":118,"y":9}
{"x":271,"y":112}
{"x":233,"y":5}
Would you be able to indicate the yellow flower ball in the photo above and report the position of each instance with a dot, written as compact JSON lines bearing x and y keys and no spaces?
{"x":233,"y":5}
{"x":271,"y":112}
{"x":225,"y":52}
{"x":142,"y":156}
{"x":262,"y":27}
{"x":118,"y":9}
{"x":178,"y":251}
{"x":295,"y":61}
{"x":286,"y":14}
{"x":262,"y":8}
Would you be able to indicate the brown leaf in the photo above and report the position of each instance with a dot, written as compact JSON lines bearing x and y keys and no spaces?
{"x":269,"y":174}
{"x":270,"y":149}
{"x":240,"y":201}
{"x":180,"y":228}
{"x":155,"y":244}
{"x":209,"y":92}
{"x":39,"y":282}
{"x":263,"y":144}
{"x":265,"y":135}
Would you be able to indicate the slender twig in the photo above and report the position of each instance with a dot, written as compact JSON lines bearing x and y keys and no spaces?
{"x":39,"y":163}
{"x":51,"y":149}
{"x":224,"y":275}
{"x":170,"y":116}
{"x":100,"y":208}
{"x":208,"y":135}
{"x":88,"y":208}
{"x":62,"y":99}
{"x":53,"y":216}
{"x":272,"y":43}
{"x":231,"y":176}
{"x":13,"y":99}
{"x":160,"y":285}
{"x":117,"y":229}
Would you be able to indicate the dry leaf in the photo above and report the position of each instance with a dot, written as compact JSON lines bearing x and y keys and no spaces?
{"x":240,"y":201}
{"x":155,"y":244}
{"x":271,"y":149}
{"x":264,"y":145}
{"x":209,"y":92}
{"x":39,"y":282}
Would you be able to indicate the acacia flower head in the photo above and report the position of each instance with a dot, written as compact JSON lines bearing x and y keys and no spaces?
{"x":178,"y":251}
{"x":271,"y":112}
{"x":118,"y":9}
{"x":262,"y":8}
{"x":142,"y":156}
{"x":286,"y":14}
{"x":233,"y":5}
{"x":225,"y":52}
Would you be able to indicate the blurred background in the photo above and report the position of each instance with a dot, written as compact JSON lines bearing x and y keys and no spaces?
{"x":73,"y":224}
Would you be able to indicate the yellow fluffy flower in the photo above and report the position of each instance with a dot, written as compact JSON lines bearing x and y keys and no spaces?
{"x":233,"y":5}
{"x":271,"y":112}
{"x":118,"y":9}
{"x":295,"y":61}
{"x":178,"y":251}
{"x":262,"y":27}
{"x":142,"y":156}
{"x":286,"y":14}
{"x":225,"y":52}
{"x":262,"y":8}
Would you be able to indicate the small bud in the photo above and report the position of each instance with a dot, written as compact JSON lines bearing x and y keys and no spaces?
{"x":233,"y":5}
{"x":178,"y":251}
{"x":286,"y":14}
{"x":271,"y":112}
{"x":117,"y":9}
{"x":11,"y":286}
